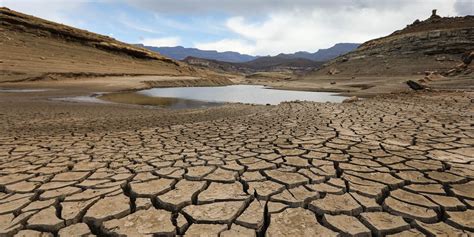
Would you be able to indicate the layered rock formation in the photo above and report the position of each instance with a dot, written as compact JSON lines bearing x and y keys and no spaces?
{"x":36,"y":49}
{"x":435,"y":44}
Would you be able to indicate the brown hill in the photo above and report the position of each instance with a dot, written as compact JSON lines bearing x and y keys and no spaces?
{"x":435,"y":44}
{"x":33,"y":49}
{"x":261,"y":64}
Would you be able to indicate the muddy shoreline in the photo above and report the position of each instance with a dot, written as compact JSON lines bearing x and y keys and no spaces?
{"x":127,"y":85}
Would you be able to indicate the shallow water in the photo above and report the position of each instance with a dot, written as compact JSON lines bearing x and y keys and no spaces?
{"x":140,"y":99}
{"x":249,"y":94}
{"x":81,"y":99}
{"x":3,"y":90}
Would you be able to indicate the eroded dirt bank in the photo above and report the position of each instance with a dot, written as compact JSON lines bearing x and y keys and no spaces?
{"x":397,"y":164}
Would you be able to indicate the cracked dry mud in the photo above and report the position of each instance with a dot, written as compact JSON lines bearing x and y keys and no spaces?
{"x":396,"y":165}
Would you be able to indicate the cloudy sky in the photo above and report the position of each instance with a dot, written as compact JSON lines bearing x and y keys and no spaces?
{"x":257,"y":27}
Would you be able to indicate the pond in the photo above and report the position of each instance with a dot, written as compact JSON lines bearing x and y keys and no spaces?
{"x":249,"y":94}
{"x":4,"y":90}
{"x":201,"y":97}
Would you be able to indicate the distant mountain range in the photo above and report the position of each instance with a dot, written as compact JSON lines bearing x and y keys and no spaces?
{"x":266,"y":64}
{"x":180,"y":53}
{"x":324,"y":54}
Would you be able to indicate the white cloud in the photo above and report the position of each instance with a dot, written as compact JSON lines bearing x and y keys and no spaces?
{"x":132,"y":24}
{"x":313,"y":29}
{"x":464,"y":7}
{"x":259,"y":7}
{"x":162,"y":42}
{"x":258,"y":27}
{"x":53,"y":10}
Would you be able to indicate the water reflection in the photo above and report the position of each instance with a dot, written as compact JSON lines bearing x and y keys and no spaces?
{"x":250,"y":94}
{"x":140,"y":99}
{"x":3,"y":90}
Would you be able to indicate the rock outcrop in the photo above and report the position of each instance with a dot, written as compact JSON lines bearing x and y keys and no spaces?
{"x":462,"y":68}
{"x":414,"y":85}
{"x":34,"y":48}
{"x":434,"y":44}
{"x":42,"y":28}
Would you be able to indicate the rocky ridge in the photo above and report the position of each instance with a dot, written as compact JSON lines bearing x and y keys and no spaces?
{"x":435,"y":44}
{"x":25,"y":23}
{"x":37,"y":49}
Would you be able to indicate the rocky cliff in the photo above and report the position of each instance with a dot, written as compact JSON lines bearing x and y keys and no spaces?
{"x":435,"y":44}
{"x":35,"y":49}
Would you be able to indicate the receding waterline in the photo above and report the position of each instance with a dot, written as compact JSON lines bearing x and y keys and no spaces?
{"x":248,"y":94}
{"x":4,"y":90}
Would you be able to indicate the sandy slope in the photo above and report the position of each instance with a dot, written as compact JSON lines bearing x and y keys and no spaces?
{"x":36,"y":49}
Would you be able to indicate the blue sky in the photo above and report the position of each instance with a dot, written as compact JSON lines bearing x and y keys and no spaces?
{"x":257,"y":27}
